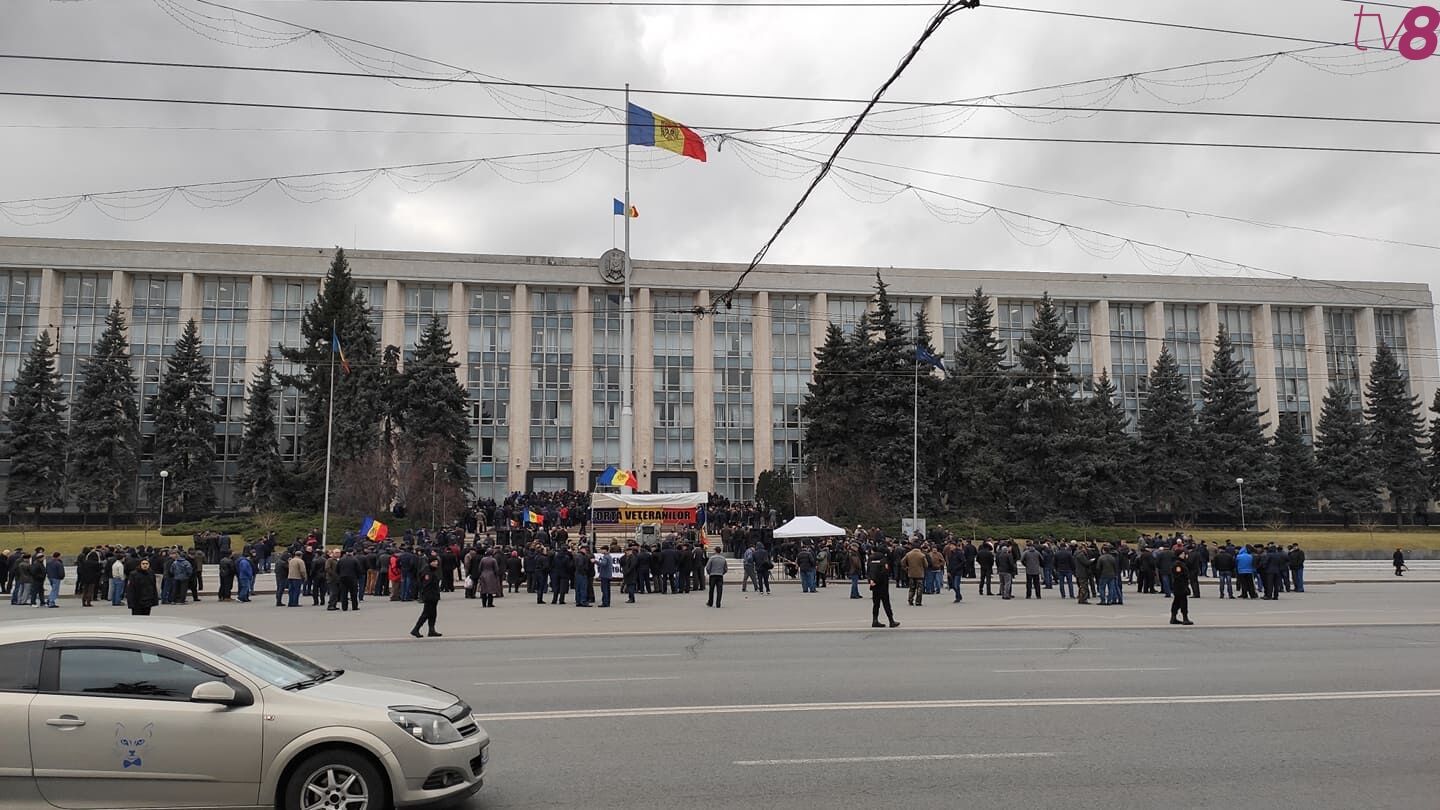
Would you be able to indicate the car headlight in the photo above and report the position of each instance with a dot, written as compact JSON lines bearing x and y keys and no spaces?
{"x":425,"y":726}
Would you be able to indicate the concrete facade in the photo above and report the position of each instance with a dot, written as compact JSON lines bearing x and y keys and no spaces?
{"x":48,"y":265}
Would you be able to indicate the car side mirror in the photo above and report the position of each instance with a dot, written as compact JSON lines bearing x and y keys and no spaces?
{"x":215,"y":692}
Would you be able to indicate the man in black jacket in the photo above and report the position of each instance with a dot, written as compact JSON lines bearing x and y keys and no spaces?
{"x":1064,"y":563}
{"x":1224,"y":563}
{"x":227,"y":577}
{"x":1179,"y":603}
{"x":1297,"y":563}
{"x":348,"y":570}
{"x":878,"y":573}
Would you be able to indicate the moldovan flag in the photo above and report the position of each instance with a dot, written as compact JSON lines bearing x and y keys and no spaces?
{"x":531,"y":516}
{"x":620,"y":209}
{"x":613,"y":477}
{"x":374,"y":529}
{"x":335,"y":349}
{"x":645,"y":128}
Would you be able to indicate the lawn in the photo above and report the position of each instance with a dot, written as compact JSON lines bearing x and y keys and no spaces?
{"x":69,"y":543}
{"x":1323,"y":540}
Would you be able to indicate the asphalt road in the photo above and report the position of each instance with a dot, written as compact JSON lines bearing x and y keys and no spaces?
{"x":1129,"y":718}
{"x":1328,"y":699}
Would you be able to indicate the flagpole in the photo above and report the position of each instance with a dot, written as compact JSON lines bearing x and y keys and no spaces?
{"x":915,"y":448}
{"x":329,"y":442}
{"x":627,"y":413}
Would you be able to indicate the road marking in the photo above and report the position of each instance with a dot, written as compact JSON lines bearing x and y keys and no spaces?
{"x":596,"y":657}
{"x":1024,"y":649}
{"x":914,"y":758}
{"x":1091,"y":669}
{"x":578,"y":680}
{"x":893,"y":705}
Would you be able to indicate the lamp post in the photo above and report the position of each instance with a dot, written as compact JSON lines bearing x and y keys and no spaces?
{"x":164,"y":474}
{"x":434,"y":477}
{"x":1240,"y":482}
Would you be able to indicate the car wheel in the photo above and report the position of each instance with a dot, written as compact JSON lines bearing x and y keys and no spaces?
{"x":336,"y":780}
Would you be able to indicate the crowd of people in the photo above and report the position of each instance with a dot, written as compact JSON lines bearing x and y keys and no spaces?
{"x":571,"y":570}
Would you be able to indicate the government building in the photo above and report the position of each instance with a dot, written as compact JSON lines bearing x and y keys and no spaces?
{"x":717,"y":398}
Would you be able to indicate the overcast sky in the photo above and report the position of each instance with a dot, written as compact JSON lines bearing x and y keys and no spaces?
{"x":723,"y":210}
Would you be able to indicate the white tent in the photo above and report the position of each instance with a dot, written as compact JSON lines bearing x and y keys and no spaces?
{"x":809,"y":526}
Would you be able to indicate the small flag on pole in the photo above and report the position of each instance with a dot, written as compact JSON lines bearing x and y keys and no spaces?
{"x":922,"y":355}
{"x":531,"y":516}
{"x":335,"y":349}
{"x":620,"y":209}
{"x":373,"y":529}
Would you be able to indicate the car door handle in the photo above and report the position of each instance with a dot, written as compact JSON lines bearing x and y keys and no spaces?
{"x":65,"y":721}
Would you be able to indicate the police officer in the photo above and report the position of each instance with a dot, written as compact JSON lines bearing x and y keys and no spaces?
{"x":1179,"y":575}
{"x":879,"y":576}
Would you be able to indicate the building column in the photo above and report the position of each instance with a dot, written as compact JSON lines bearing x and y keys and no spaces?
{"x":1100,"y":353}
{"x":1317,"y":367}
{"x":1365,"y":346}
{"x":1209,"y":332}
{"x":934,"y":311}
{"x":582,"y":389}
{"x":520,"y":347}
{"x":1267,"y":387}
{"x":122,"y":290}
{"x":1154,"y":330}
{"x":705,"y":396}
{"x":819,"y":323}
{"x":189,"y":298}
{"x":51,"y":294}
{"x":257,"y":324}
{"x":459,"y":326}
{"x":392,"y":326}
{"x":763,"y":382}
{"x":644,"y":398}
{"x":1422,"y":361}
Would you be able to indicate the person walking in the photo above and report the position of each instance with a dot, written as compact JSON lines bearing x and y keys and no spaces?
{"x":140,"y":590}
{"x":1180,"y":599}
{"x":245,"y":575}
{"x":715,"y":569}
{"x":878,"y":573}
{"x":914,"y":563}
{"x":1399,"y":562}
{"x":429,"y":593}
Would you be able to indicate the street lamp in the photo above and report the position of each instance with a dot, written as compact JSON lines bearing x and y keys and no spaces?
{"x":164,"y":474}
{"x":1240,"y":482}
{"x":434,"y":476}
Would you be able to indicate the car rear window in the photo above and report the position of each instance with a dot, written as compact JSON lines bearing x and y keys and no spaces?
{"x":20,"y":666}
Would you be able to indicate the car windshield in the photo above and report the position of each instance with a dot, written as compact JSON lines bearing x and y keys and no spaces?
{"x":263,"y":659}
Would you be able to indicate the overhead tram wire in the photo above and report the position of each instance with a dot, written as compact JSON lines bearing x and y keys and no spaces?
{"x":983,"y":104}
{"x":715,"y":129}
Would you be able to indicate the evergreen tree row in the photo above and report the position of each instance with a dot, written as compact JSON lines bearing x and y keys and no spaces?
{"x":391,"y":428}
{"x":1020,"y":441}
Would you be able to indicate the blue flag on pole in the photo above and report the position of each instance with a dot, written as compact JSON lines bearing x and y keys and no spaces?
{"x":924,"y":356}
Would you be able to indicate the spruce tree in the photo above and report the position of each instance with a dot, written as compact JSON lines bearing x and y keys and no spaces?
{"x":1231,"y":438}
{"x":1100,"y":463}
{"x":105,"y":423}
{"x":886,"y":360}
{"x":1169,"y":452}
{"x":185,"y":428}
{"x":1434,"y":461}
{"x":338,"y":309}
{"x":973,"y":389}
{"x":1396,"y":434}
{"x":1296,"y":489}
{"x":260,"y":480}
{"x":434,"y":404}
{"x":1346,"y":474}
{"x":932,"y":427}
{"x":832,"y":406}
{"x":1038,"y":410}
{"x":36,"y":442}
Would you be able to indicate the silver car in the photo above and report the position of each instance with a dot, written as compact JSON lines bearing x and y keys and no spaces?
{"x":161,"y":713}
